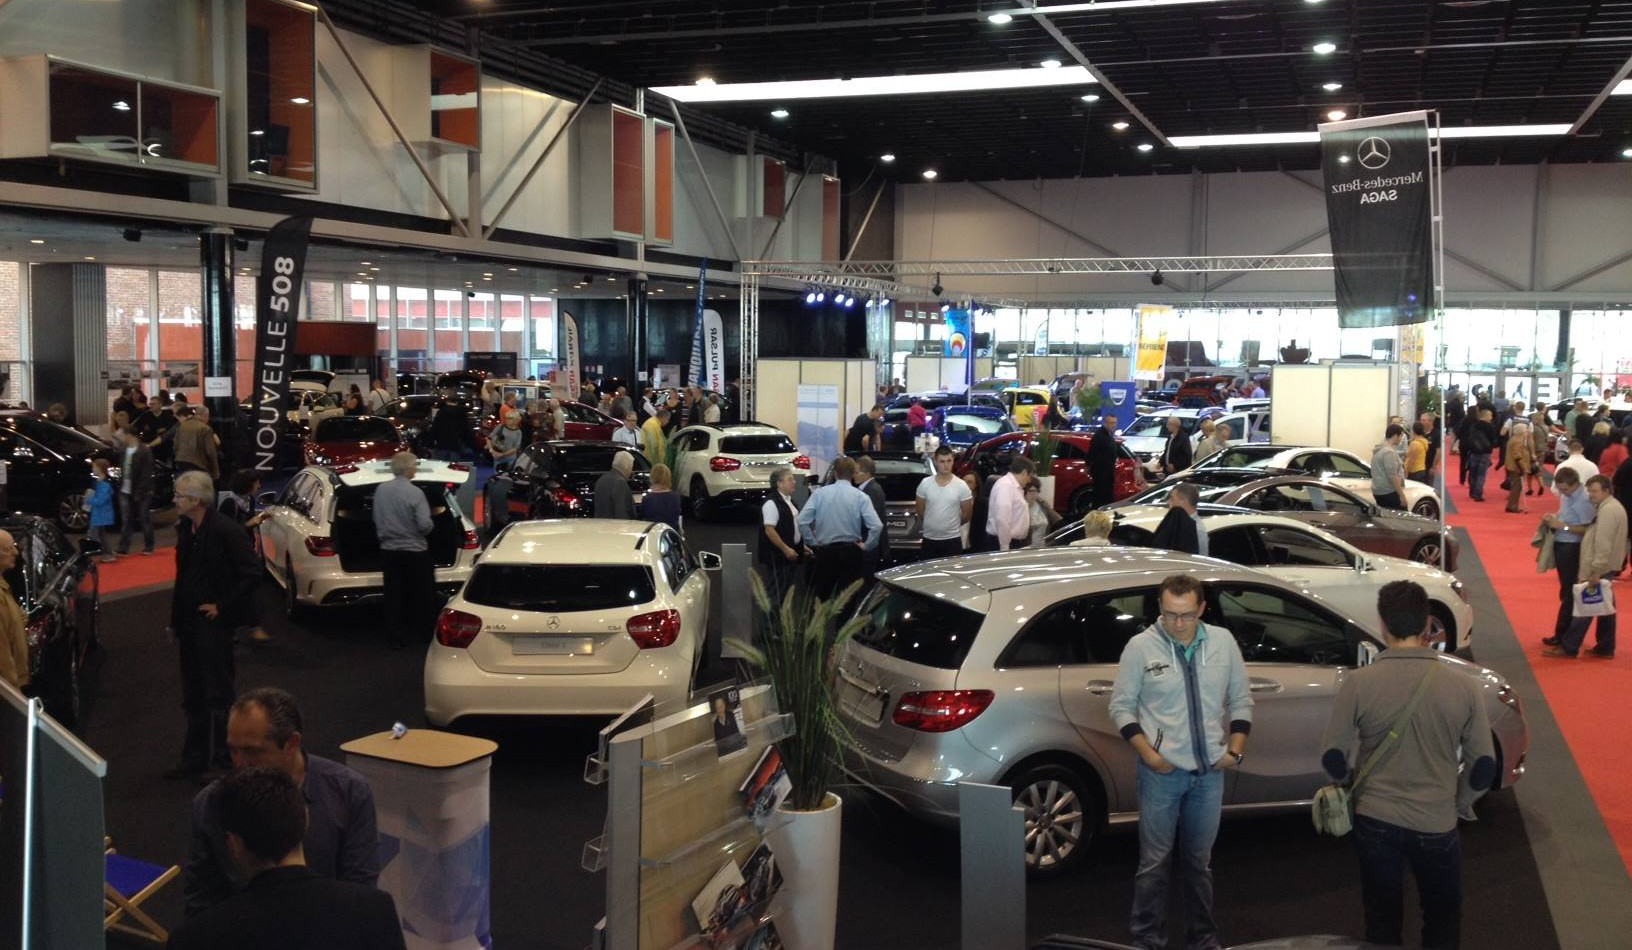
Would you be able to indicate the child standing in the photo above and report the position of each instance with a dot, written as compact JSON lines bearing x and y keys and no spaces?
{"x":99,"y":498}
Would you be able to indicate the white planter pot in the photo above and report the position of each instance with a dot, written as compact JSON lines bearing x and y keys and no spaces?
{"x":806,"y":845}
{"x":1045,"y":485}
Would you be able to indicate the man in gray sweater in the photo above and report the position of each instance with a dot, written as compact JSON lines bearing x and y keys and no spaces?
{"x":1405,"y":811}
{"x":613,"y":499}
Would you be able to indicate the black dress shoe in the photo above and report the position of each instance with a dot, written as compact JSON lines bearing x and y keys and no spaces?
{"x":1549,"y":641}
{"x":183,"y":770}
{"x":1600,"y":654}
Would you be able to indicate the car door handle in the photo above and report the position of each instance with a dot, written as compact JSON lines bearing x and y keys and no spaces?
{"x":1257,"y":685}
{"x":1099,"y":687}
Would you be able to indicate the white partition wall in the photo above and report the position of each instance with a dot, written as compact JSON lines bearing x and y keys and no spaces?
{"x":778,"y":401}
{"x":1299,"y":398}
{"x":1343,"y":405}
{"x":926,"y":374}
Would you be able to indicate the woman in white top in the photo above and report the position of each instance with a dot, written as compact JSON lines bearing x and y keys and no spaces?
{"x":1043,"y":518}
{"x":1096,"y":528}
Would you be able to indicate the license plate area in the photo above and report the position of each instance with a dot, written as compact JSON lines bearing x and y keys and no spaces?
{"x":863,"y":702}
{"x":552,"y":646}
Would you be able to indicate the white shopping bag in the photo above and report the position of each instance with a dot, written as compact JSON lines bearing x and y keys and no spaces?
{"x":1594,"y":600}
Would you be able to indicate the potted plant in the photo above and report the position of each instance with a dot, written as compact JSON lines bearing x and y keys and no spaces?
{"x":799,"y":643}
{"x":1044,"y":447}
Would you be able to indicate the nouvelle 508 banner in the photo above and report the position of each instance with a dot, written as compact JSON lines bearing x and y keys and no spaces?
{"x":1378,"y":206}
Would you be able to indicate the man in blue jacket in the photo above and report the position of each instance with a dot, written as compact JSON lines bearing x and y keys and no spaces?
{"x":1179,"y":682}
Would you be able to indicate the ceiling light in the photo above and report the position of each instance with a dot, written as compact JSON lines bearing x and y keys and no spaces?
{"x":487,"y":274}
{"x":89,"y":257}
{"x":1337,"y":115}
{"x":362,"y":273}
{"x":945,"y":307}
{"x":36,"y":240}
{"x":779,"y":113}
{"x":1324,"y":48}
{"x":1311,"y":1}
{"x":922,"y":83}
{"x":931,"y":174}
{"x":1343,"y":159}
{"x":300,"y":100}
{"x":705,"y":80}
{"x":1119,"y":126}
{"x":1050,"y":64}
{"x":1331,"y":86}
{"x":555,"y":290}
{"x":1626,"y":153}
{"x":122,"y":106}
{"x":1145,"y":146}
{"x":887,"y":157}
{"x":514,"y":269}
{"x":1622,"y":88}
{"x":999,"y":19}
{"x":1090,"y":98}
{"x":365,"y":263}
{"x":257,"y":131}
{"x":1309,"y":138}
{"x":810,"y":296}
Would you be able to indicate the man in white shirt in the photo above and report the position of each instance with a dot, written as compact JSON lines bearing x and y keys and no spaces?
{"x":944,"y":503}
{"x":1008,"y":519}
{"x":629,"y":433}
{"x":1578,"y":462}
{"x":711,"y":413}
{"x":782,"y":543}
{"x":377,"y":397}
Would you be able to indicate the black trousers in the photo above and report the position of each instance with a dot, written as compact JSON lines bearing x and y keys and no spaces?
{"x":837,"y":566}
{"x":1567,"y":557}
{"x":410,"y":591}
{"x":207,"y":689}
{"x":780,"y":576}
{"x":1435,"y":860}
{"x":932,"y":548}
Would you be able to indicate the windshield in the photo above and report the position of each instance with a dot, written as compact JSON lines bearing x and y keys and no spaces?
{"x":596,"y":458}
{"x":917,"y":629}
{"x":355,"y":429}
{"x":560,"y":588}
{"x":1157,"y":425}
{"x":756,"y":444}
{"x":60,"y":439}
{"x":975,"y":425}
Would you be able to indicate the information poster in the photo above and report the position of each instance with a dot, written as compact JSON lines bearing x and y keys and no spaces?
{"x":818,"y":435}
{"x":1150,"y":360}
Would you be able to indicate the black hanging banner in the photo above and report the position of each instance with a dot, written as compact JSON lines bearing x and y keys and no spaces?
{"x":1379,"y":208}
{"x":277,"y":303}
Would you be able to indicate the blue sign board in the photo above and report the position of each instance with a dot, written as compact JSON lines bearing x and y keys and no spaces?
{"x":1117,"y":398}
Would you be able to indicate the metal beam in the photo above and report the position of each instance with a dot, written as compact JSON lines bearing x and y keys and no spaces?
{"x":725,"y":222}
{"x":1603,"y":94}
{"x":1592,"y":272}
{"x":560,"y":136}
{"x":829,"y":271}
{"x":867,"y":218}
{"x":1209,"y":288}
{"x":1099,"y":77}
{"x":787,"y":208}
{"x":413,"y":153}
{"x":1481,"y":269}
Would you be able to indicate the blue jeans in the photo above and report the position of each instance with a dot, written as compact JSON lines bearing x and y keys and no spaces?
{"x":1478,"y":467}
{"x":1436,"y":862}
{"x":1178,"y":813}
{"x":137,"y":511}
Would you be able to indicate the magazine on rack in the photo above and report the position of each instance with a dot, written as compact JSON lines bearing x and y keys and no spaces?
{"x":765,"y":787}
{"x":731,"y":906}
{"x":725,"y":714}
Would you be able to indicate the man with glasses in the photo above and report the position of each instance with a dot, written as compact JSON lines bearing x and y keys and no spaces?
{"x":1177,"y":685}
{"x":216,"y":575}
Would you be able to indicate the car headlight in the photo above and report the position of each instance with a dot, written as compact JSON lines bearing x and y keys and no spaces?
{"x":1461,"y":590}
{"x":1510,"y":698}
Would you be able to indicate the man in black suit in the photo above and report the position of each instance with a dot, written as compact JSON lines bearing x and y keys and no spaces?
{"x":865,"y":479}
{"x":135,"y":490}
{"x":1102,"y":462}
{"x":286,"y":906}
{"x":1176,"y":457}
{"x":1181,"y":529}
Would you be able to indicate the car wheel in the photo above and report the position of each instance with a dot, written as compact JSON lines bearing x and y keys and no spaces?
{"x":70,"y":516}
{"x":1426,"y":551}
{"x":1062,"y":815}
{"x":1082,"y":500}
{"x":1441,"y":633}
{"x":1427,"y":508}
{"x":697,"y":504}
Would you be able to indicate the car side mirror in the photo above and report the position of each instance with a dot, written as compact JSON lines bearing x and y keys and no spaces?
{"x":709,"y":560}
{"x":1361,"y":564}
{"x":89,"y":547}
{"x":266,"y":498}
{"x":1366,"y":654}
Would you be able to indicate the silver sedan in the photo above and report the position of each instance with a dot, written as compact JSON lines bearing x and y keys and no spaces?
{"x":997,"y":669}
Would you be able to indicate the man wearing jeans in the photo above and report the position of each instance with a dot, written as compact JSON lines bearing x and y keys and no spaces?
{"x":1177,"y":685}
{"x":1569,"y":526}
{"x":135,"y":491}
{"x":1405,"y":811}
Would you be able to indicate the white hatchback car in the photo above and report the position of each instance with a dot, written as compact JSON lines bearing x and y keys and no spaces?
{"x":730,"y":462}
{"x":1347,"y":470}
{"x":318,"y":538}
{"x":1318,"y":563}
{"x":571,"y":618}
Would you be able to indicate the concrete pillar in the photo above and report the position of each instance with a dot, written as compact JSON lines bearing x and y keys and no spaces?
{"x":220,"y":344}
{"x":636,"y":317}
{"x":68,"y":315}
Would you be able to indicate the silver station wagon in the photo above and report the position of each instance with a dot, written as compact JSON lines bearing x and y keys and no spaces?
{"x":997,"y":668}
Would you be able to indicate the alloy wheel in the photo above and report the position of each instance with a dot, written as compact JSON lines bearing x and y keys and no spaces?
{"x":1427,"y":552}
{"x":1054,"y":822}
{"x":1426,"y":508}
{"x":71,"y":516}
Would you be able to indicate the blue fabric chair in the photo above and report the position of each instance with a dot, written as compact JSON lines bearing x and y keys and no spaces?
{"x":127,"y":883}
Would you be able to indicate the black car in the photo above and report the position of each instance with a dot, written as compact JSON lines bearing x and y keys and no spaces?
{"x":57,"y":587}
{"x":48,"y":468}
{"x":557,"y":479}
{"x":412,"y":416}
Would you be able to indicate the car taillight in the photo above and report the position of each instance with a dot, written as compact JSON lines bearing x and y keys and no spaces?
{"x":941,"y":710}
{"x":724,"y":463}
{"x":471,"y":544}
{"x":657,"y":629}
{"x":565,"y":497}
{"x":455,"y":628}
{"x":320,"y":546}
{"x":801,"y":461}
{"x":459,"y":466}
{"x":342,"y":470}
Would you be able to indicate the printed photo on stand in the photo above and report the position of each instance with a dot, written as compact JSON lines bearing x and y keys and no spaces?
{"x":731,"y":908}
{"x":725,"y":713}
{"x":765,"y":787}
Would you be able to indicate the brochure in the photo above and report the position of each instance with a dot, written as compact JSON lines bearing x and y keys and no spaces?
{"x":730,"y":907}
{"x":765,"y":787}
{"x":725,"y":712}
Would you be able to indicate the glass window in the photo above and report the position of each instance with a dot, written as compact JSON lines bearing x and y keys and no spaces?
{"x":560,"y":588}
{"x":355,"y":298}
{"x":1082,"y":630}
{"x":1277,"y":627}
{"x":916,"y":629}
{"x":280,"y":57}
{"x":512,"y":324}
{"x":448,"y":348}
{"x":541,"y":314}
{"x":129,"y":306}
{"x":1289,"y":547}
{"x":1327,"y":498}
{"x":11,"y":310}
{"x":320,"y":303}
{"x":413,"y":337}
{"x":1234,"y":545}
{"x":243,"y":327}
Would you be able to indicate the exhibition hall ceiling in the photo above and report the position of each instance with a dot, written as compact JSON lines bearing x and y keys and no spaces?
{"x":1189,"y":67}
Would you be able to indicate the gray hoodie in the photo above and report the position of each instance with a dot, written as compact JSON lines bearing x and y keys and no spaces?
{"x":1182,"y":705}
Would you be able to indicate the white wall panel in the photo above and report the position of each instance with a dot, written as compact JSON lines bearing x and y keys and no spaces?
{"x":164,"y":39}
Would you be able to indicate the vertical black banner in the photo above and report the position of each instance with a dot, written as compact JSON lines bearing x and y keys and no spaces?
{"x":1380,"y":211}
{"x":277,"y":302}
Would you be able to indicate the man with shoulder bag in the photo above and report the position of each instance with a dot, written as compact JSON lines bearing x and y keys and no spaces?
{"x":1603,"y":553}
{"x":1410,"y":725}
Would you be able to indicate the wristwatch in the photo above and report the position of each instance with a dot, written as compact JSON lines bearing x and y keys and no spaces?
{"x":1238,"y":756}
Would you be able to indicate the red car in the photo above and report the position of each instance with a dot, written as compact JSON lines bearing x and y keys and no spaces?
{"x":347,"y":440}
{"x":583,"y":424}
{"x":1073,"y":487}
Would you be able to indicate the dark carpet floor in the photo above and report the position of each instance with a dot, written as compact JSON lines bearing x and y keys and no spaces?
{"x":900,"y":878}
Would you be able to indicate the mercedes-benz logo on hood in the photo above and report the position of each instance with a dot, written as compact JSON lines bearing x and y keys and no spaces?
{"x":1373,"y":153}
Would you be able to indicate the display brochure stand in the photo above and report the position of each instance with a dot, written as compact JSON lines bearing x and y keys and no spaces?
{"x":683,"y":847}
{"x":736,"y":599}
{"x":431,"y":802}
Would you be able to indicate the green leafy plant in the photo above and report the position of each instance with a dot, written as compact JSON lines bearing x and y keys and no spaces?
{"x":1088,"y":400}
{"x":1429,"y":399}
{"x":1044,"y":447}
{"x":799,"y":644}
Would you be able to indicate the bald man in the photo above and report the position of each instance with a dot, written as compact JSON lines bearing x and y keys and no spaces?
{"x":13,"y":641}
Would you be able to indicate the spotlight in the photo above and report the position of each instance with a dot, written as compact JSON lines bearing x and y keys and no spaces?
{"x":884,"y":302}
{"x":820,"y":296}
{"x":1324,"y":48}
{"x":1050,"y":64}
{"x":1145,"y":146}
{"x":887,"y":157}
{"x":132,"y":234}
{"x":779,"y":113}
{"x":1337,"y":115}
{"x":1090,"y":97}
{"x":1157,"y":278}
{"x":810,"y":296}
{"x":936,"y":290}
{"x":945,"y":307}
{"x":1332,"y":86}
{"x":998,"y":19}
{"x":849,"y":302}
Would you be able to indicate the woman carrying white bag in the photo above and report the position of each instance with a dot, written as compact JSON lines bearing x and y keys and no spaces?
{"x":1603,"y":553}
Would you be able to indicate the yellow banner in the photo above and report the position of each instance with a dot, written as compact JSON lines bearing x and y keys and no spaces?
{"x":1411,"y":344}
{"x":1150,"y":360}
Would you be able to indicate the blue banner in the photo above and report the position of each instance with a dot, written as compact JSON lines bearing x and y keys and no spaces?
{"x":959,"y":343}
{"x":1117,"y":398}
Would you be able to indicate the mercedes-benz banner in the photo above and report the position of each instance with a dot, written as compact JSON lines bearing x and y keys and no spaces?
{"x":277,"y":304}
{"x":1378,"y":205}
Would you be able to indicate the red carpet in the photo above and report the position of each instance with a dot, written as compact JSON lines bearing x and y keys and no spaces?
{"x":1589,"y":697}
{"x":133,"y":571}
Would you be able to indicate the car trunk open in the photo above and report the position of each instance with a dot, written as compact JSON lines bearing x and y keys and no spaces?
{"x":357,"y":544}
